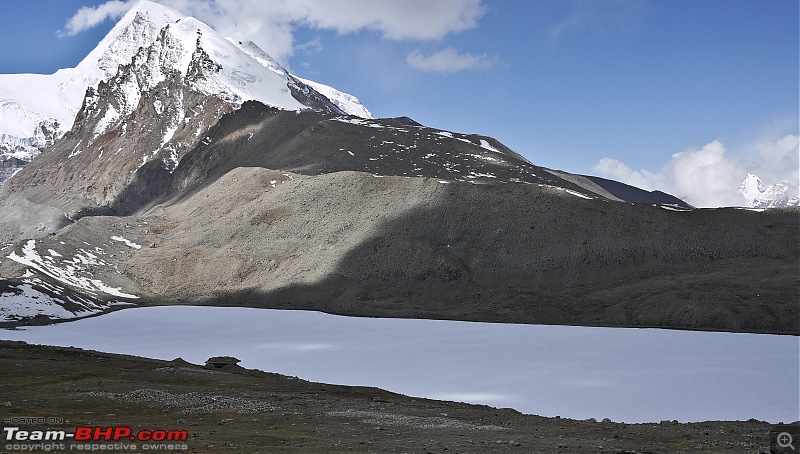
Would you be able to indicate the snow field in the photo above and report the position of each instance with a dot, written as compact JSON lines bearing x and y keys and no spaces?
{"x":629,"y":375}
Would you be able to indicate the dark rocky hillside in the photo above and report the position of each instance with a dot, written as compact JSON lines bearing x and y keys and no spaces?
{"x":312,"y":209}
{"x":354,"y":243}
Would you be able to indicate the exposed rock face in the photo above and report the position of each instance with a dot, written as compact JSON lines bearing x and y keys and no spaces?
{"x":35,"y":109}
{"x":222,"y":362}
{"x":10,"y":164}
{"x":133,"y":129}
{"x":16,"y":152}
{"x":93,"y":165}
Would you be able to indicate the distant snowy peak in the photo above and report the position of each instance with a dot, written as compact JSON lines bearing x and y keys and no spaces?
{"x":752,"y":187}
{"x":759,"y":195}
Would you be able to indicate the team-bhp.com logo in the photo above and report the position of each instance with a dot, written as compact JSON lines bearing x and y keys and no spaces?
{"x":92,"y":438}
{"x":85,"y":433}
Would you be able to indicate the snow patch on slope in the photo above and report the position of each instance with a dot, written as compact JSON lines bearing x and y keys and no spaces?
{"x":75,"y":272}
{"x":127,"y":241}
{"x":35,"y":297}
{"x":24,"y":301}
{"x":347,"y":102}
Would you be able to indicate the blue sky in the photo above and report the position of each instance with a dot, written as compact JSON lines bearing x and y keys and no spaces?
{"x":606,"y":87}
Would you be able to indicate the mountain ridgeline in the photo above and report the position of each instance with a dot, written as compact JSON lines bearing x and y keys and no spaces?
{"x":202,"y":172}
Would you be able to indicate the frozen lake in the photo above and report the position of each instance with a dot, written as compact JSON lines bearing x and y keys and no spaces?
{"x":631,"y":375}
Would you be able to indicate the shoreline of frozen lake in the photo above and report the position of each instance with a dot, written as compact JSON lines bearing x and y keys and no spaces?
{"x":625,"y":374}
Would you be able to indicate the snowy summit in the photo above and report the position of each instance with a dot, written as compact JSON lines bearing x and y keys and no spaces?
{"x":759,"y":195}
{"x":37,"y":109}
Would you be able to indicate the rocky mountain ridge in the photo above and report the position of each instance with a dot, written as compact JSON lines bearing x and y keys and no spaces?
{"x":150,"y":44}
{"x":172,"y":187}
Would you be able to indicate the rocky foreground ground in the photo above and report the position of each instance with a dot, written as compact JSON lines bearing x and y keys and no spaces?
{"x":238,"y":410}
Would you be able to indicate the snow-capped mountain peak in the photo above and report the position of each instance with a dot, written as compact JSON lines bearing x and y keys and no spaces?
{"x":752,"y":187}
{"x":28,"y":100}
{"x":138,"y":28}
{"x":759,"y":195}
{"x":231,"y":73}
{"x":159,"y":42}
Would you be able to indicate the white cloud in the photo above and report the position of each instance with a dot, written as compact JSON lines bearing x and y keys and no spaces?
{"x":709,"y":176}
{"x":394,"y":19}
{"x":271,"y":24}
{"x":310,"y":47}
{"x":449,"y":60}
{"x":782,"y":151}
{"x":88,"y":17}
{"x":705,"y":176}
{"x":615,"y":169}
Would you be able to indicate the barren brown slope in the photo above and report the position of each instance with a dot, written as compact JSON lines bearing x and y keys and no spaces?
{"x":522,"y":245}
{"x":353,"y":243}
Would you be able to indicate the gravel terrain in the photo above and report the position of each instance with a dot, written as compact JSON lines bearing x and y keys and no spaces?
{"x":355,"y":244}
